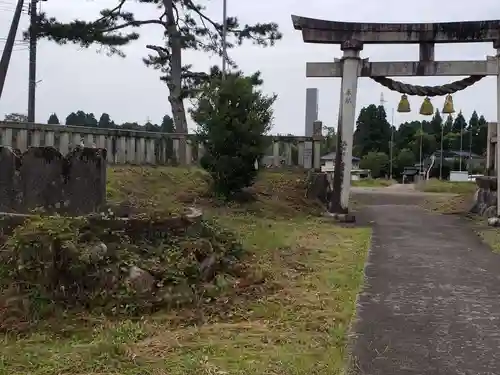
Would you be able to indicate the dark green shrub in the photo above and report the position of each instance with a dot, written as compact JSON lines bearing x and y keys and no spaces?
{"x":233,"y":117}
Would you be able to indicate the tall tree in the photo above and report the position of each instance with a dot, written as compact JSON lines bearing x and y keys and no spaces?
{"x":150,"y":127}
{"x":184,"y":24}
{"x":373,"y":131}
{"x":90,"y":120}
{"x":72,"y":119}
{"x":53,"y":119}
{"x":472,"y":131}
{"x":436,"y":125}
{"x":459,"y":124}
{"x":167,"y":125}
{"x":423,"y":142}
{"x":405,"y":134}
{"x":448,"y":125}
{"x":480,"y":142}
{"x":105,"y":122}
{"x":330,"y":140}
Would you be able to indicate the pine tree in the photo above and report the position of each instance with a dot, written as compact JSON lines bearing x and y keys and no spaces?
{"x":105,"y":122}
{"x":53,"y":119}
{"x":436,"y":126}
{"x":167,"y":125}
{"x":472,"y":131}
{"x":184,"y":25}
{"x":480,"y":142}
{"x":459,"y":124}
{"x":373,"y":131}
{"x":72,"y":119}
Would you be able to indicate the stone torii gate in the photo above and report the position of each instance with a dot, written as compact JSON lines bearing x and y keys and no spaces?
{"x":352,"y":36}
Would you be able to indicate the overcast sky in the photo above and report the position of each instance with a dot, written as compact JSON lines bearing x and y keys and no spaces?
{"x":73,"y":79}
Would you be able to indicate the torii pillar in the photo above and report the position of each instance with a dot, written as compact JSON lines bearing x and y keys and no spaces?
{"x":497,"y":46}
{"x":347,"y":119}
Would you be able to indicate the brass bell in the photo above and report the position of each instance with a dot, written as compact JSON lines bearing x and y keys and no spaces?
{"x":427,"y":109}
{"x":404,"y":104}
{"x":448,"y":105}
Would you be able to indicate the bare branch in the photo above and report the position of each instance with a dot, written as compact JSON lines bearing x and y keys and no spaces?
{"x":115,"y":9}
{"x":193,"y":7}
{"x":135,"y":24}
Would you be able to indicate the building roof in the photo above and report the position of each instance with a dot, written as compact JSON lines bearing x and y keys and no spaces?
{"x":332,"y":155}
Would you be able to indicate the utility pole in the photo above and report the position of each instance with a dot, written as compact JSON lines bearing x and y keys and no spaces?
{"x":421,"y":148}
{"x":392,"y":145}
{"x":441,"y":155}
{"x":224,"y":38}
{"x":32,"y":61}
{"x":9,"y":44}
{"x":461,"y":145}
{"x":469,"y":166}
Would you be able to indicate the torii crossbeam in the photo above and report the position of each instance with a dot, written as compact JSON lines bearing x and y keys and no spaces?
{"x":352,"y":36}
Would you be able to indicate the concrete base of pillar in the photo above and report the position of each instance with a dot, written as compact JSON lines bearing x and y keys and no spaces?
{"x":341,"y":218}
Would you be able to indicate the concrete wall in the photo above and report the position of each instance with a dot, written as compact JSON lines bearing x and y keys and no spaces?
{"x":141,"y":147}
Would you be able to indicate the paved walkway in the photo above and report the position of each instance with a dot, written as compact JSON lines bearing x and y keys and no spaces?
{"x":431,"y":303}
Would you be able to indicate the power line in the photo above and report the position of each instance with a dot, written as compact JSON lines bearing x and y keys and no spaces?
{"x":9,"y":44}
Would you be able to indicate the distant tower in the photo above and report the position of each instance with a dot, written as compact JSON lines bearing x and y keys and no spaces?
{"x":311,"y":117}
{"x":311,"y":110}
{"x":382,"y":100}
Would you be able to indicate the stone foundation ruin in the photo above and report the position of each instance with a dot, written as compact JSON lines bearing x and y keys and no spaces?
{"x":42,"y":178}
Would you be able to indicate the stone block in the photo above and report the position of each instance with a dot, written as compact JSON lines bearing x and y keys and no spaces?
{"x":85,"y":180}
{"x":41,"y":179}
{"x":9,"y":164}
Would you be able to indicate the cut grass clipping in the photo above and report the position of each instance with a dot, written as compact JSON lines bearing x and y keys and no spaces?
{"x":294,"y":323}
{"x":436,"y":186}
{"x":370,"y":182}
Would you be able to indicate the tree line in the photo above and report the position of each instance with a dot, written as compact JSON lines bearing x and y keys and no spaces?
{"x":413,"y":140}
{"x":81,"y":118}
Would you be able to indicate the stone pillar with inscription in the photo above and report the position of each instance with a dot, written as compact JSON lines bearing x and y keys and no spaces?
{"x":497,"y":146}
{"x":343,"y":163}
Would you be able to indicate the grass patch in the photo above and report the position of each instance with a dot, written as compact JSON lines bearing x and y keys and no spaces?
{"x":294,"y":323}
{"x":290,"y":316}
{"x":160,"y":188}
{"x":449,"y":204}
{"x":491,"y":236}
{"x":438,"y":186}
{"x":373,"y":182}
{"x":275,"y":193}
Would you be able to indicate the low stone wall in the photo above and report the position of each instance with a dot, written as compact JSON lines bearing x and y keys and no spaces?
{"x":42,"y":178}
{"x":485,"y":199}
